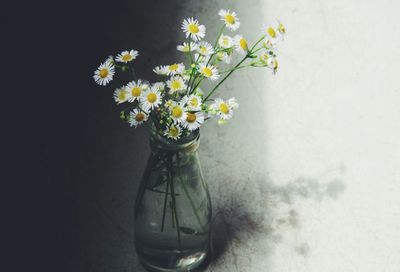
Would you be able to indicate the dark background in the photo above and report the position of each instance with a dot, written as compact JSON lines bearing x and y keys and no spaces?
{"x":65,"y":132}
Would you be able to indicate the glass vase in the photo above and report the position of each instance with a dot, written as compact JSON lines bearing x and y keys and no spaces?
{"x":173,"y":207}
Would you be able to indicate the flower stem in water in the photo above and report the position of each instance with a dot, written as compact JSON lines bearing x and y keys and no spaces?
{"x":171,"y":175}
{"x":165,"y":206}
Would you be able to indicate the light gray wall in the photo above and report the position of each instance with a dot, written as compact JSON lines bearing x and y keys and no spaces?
{"x":306,"y":175}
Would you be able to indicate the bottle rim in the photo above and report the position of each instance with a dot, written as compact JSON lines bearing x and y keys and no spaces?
{"x":189,"y":143}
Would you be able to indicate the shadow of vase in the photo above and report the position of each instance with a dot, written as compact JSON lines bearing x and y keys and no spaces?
{"x":237,"y":222}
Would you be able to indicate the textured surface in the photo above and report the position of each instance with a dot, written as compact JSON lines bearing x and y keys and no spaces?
{"x":306,"y":177}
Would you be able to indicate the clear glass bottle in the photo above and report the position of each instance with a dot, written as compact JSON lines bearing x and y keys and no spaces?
{"x":173,"y":207}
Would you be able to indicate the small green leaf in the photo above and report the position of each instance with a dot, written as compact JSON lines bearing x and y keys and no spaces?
{"x":122,"y":115}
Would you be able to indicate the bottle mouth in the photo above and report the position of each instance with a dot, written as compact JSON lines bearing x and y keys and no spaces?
{"x":187,"y":143}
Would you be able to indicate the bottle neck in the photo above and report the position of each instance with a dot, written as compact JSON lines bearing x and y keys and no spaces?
{"x":188,"y":144}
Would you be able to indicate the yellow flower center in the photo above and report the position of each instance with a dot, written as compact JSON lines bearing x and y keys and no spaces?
{"x":268,"y":44}
{"x":225,"y":41}
{"x":173,"y":132}
{"x":271,"y":32}
{"x":224,"y":108}
{"x":177,"y":112}
{"x":264,"y":57}
{"x":243,"y":44}
{"x":275,"y":64}
{"x":194,"y":29}
{"x":207,"y":72}
{"x":282,"y":28}
{"x":136,"y":91}
{"x":126,"y":57}
{"x":194,"y":102}
{"x":122,"y":95}
{"x":173,"y":67}
{"x":191,"y":117}
{"x":203,"y":50}
{"x":168,"y":103}
{"x":176,"y":85}
{"x":139,"y":117}
{"x":151,"y":97}
{"x":230,"y":19}
{"x":103,"y":72}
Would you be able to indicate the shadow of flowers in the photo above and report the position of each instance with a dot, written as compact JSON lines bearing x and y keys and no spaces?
{"x":263,"y":213}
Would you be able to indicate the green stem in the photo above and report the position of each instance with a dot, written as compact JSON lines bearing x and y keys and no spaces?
{"x":190,"y":54}
{"x":192,"y":75}
{"x":216,"y":42}
{"x":159,"y":191}
{"x":251,"y":50}
{"x":117,"y":65}
{"x":149,"y":126}
{"x":172,"y":215}
{"x":234,"y":68}
{"x":239,"y":67}
{"x":191,"y":87}
{"x":133,"y":71}
{"x":219,"y":83}
{"x":153,"y":116}
{"x":188,"y":195}
{"x":255,"y":51}
{"x":165,"y":206}
{"x":197,"y":85}
{"x":171,"y":176}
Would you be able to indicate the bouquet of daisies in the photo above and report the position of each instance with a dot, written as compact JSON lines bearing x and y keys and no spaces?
{"x":177,"y":105}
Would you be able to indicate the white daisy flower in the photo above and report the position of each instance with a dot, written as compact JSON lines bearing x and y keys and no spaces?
{"x":174,"y":131}
{"x":222,"y":109}
{"x":187,"y":47}
{"x":273,"y":35}
{"x":225,"y":41}
{"x":208,"y":71}
{"x":161,"y":70}
{"x":176,"y":84}
{"x":178,"y":112}
{"x":193,"y":120}
{"x":169,"y":104}
{"x":273,"y":64}
{"x":193,"y":29}
{"x":200,"y":58}
{"x":104,"y":74}
{"x":198,"y":92}
{"x":135,"y":90}
{"x":150,"y":99}
{"x":271,"y":32}
{"x":185,"y":77}
{"x":224,"y":56}
{"x":241,"y":45}
{"x":281,"y":28}
{"x":137,"y":117}
{"x":159,"y":86}
{"x":127,"y":56}
{"x":205,"y":48}
{"x":230,"y":18}
{"x":193,"y":102}
{"x":176,"y":68}
{"x":233,"y":103}
{"x":270,"y":44}
{"x":264,"y":56}
{"x":121,"y":95}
